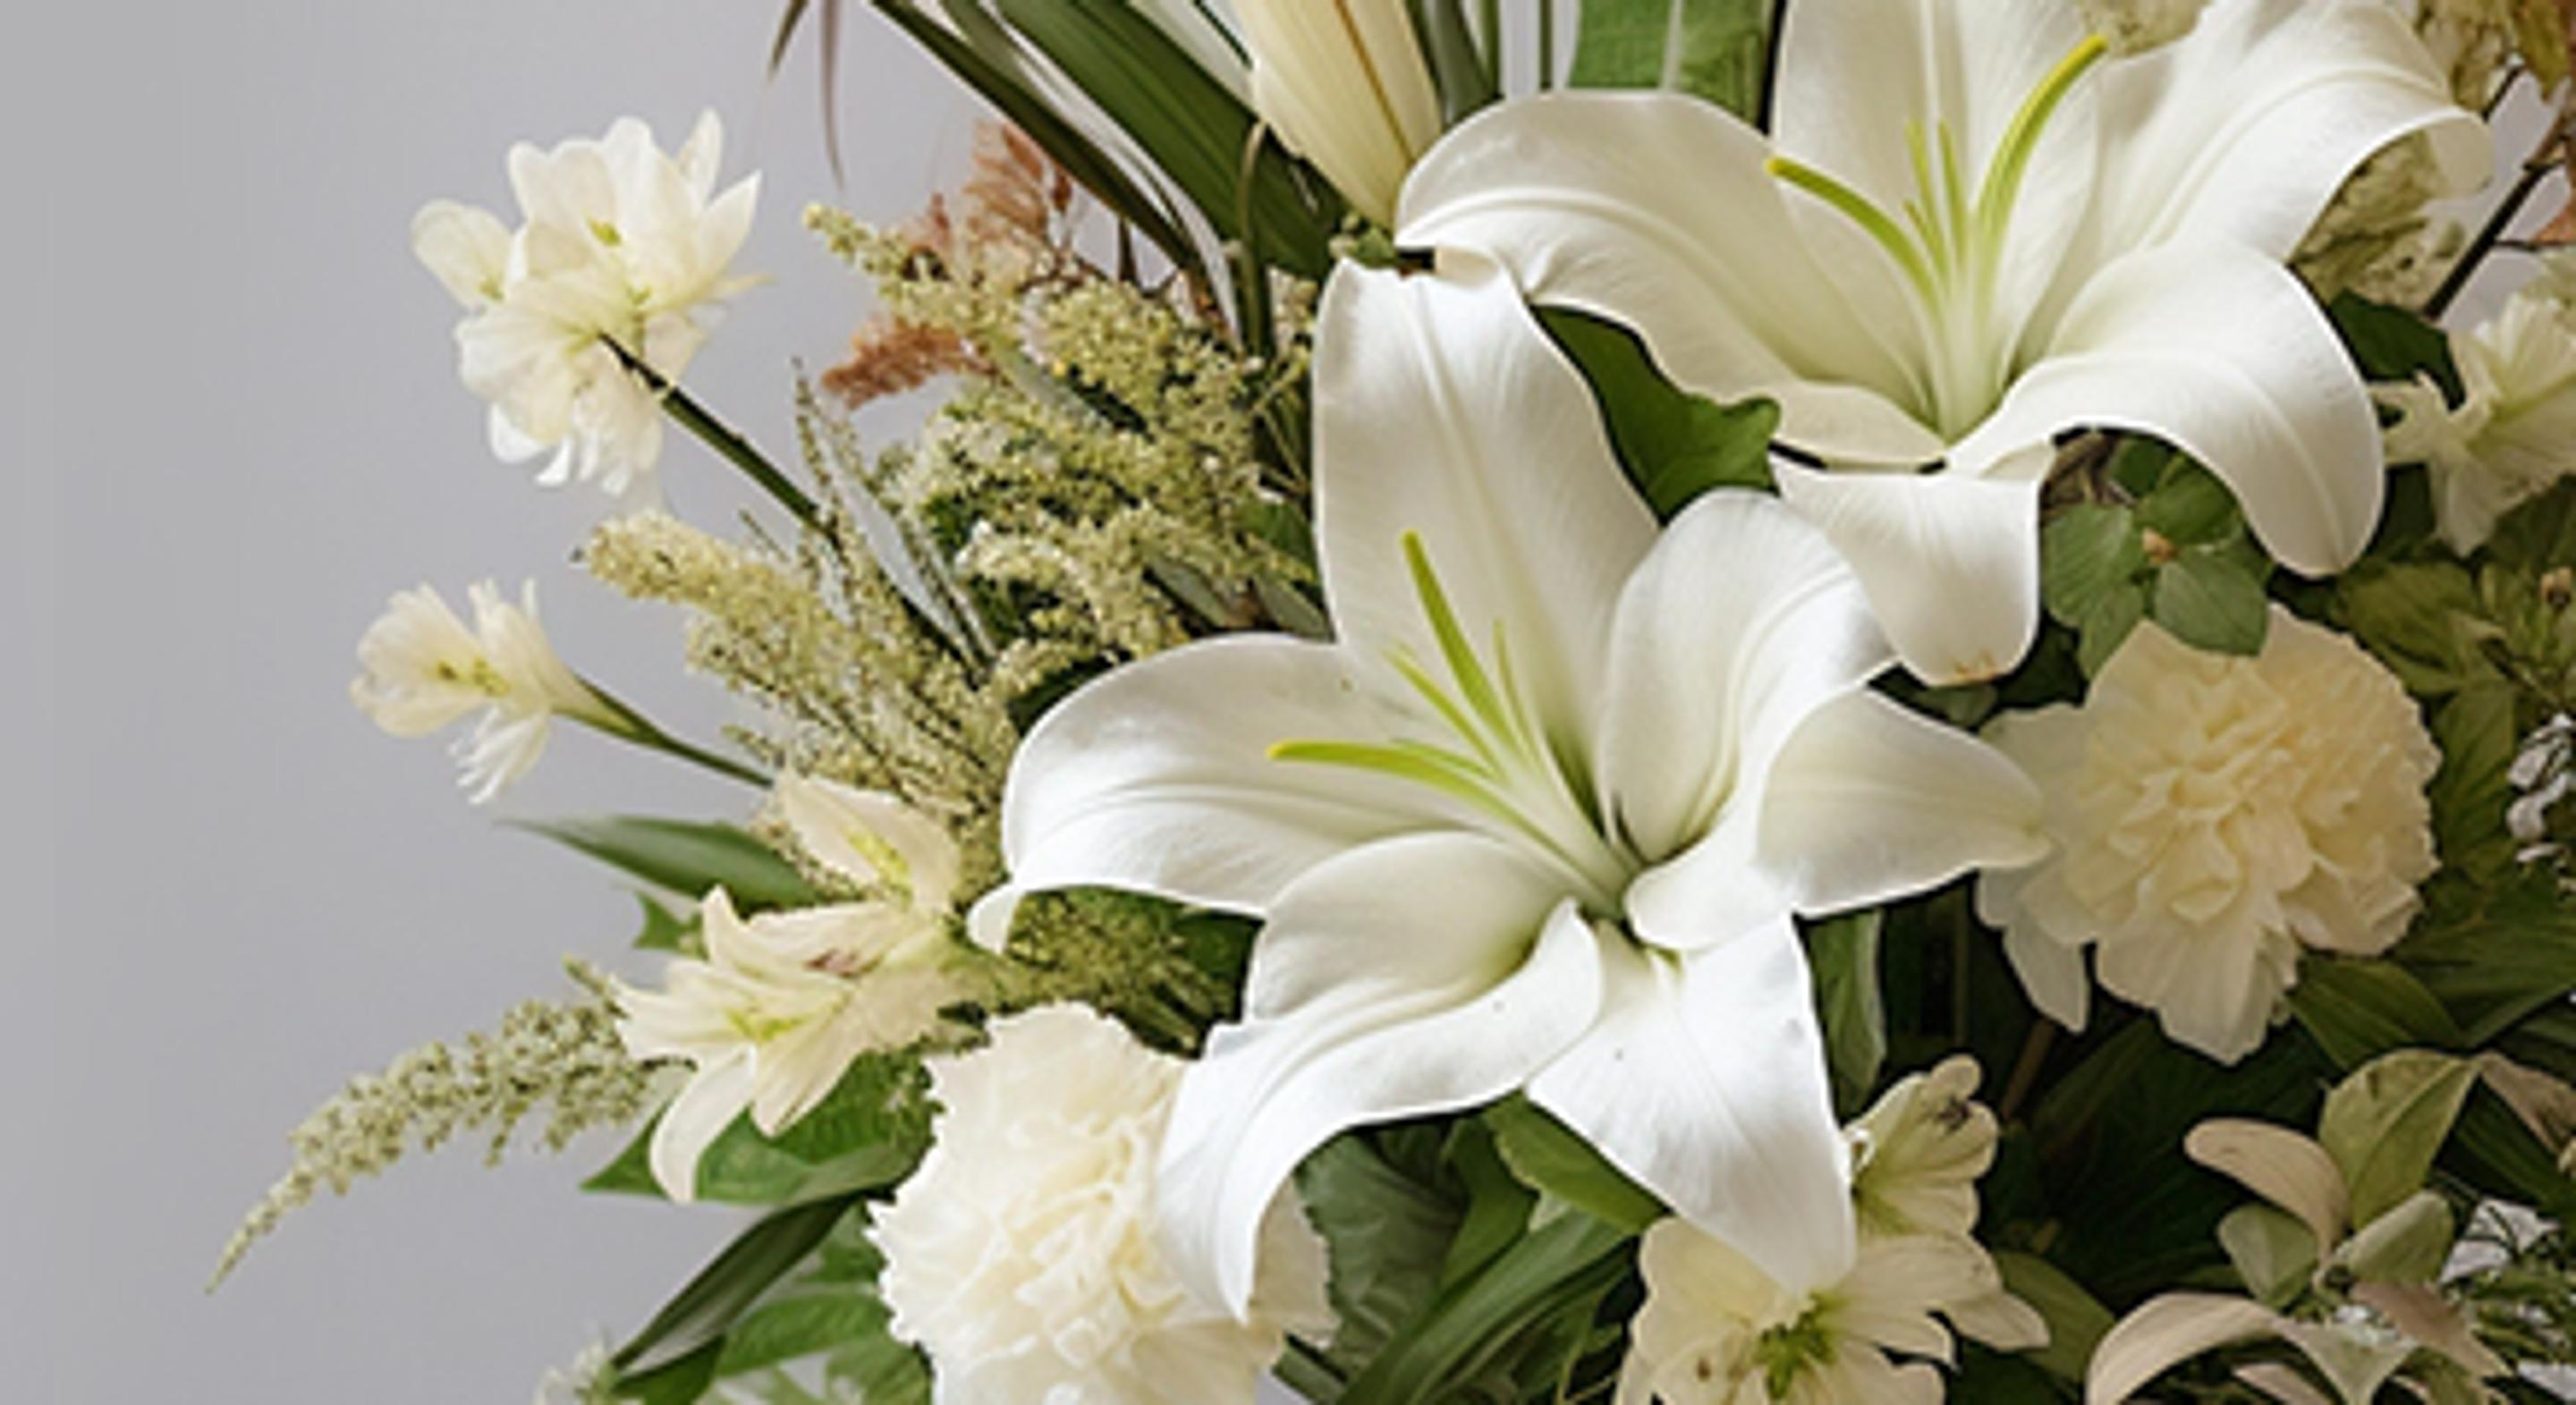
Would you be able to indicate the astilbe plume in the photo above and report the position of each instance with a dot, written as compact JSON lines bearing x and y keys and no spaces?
{"x":560,"y":1056}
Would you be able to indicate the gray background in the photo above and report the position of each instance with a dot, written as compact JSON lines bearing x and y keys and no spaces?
{"x":235,"y":427}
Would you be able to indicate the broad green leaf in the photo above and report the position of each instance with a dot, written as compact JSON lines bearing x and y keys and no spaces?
{"x":1716,"y":49}
{"x":2540,"y":535}
{"x":1843,"y":955}
{"x":2210,"y":601}
{"x":2085,"y":553}
{"x":2386,"y":1123}
{"x":2496,"y":966}
{"x":2076,"y":1319}
{"x":2107,"y":624}
{"x":1196,"y":132}
{"x":2408,"y":1243}
{"x":1549,"y":1156}
{"x":2273,"y":1253}
{"x":2357,"y":1010}
{"x":2411,"y":618}
{"x":2190,"y":507}
{"x":1498,"y":1203}
{"x":709,"y":1303}
{"x":1559,"y":1268}
{"x":1675,"y":445}
{"x":687,"y":857}
{"x":2472,"y":790}
{"x":2391,"y":344}
{"x":1388,"y":1234}
{"x":868,"y":1132}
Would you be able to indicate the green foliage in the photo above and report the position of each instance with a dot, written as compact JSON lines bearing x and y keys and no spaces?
{"x":1523,"y":1319}
{"x":1842,"y":955}
{"x":1717,"y":49}
{"x":1551,"y":1158}
{"x":866,"y":1134}
{"x":1675,"y":445}
{"x":2385,"y":1123}
{"x":2391,"y":344}
{"x":1388,"y":1233}
{"x":798,"y":1286}
{"x":1458,"y":66}
{"x":2076,"y":1320}
{"x":2161,"y":539}
{"x":686,"y":857}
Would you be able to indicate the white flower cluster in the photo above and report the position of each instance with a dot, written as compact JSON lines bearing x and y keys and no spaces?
{"x":1716,"y":1330}
{"x":1022,"y":1255}
{"x":2513,"y":434}
{"x":424,"y":670}
{"x":2213,"y":816}
{"x":621,"y":252}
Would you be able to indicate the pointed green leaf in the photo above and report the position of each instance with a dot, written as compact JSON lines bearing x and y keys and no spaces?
{"x":1843,"y":954}
{"x":2386,"y":1123}
{"x":1551,"y":1157}
{"x":2086,"y":553}
{"x":2210,"y":601}
{"x":686,"y":857}
{"x":1716,"y":49}
{"x":1675,"y":445}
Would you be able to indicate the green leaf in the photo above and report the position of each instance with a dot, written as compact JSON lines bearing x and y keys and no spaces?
{"x":1498,"y":1204}
{"x":1457,"y":66}
{"x":2385,"y":1125}
{"x":665,"y":930}
{"x":2085,"y":553}
{"x":687,"y":857}
{"x":1388,"y":1234}
{"x":1716,"y":49}
{"x":1194,"y":131}
{"x":2208,"y":600}
{"x":868,"y":1132}
{"x":2356,"y":1010}
{"x":1843,"y":955}
{"x":2190,"y":507}
{"x":2540,"y":535}
{"x":2411,"y":616}
{"x":2408,"y":1243}
{"x":2076,"y":1320}
{"x":2390,"y":344}
{"x":2274,"y":1254}
{"x":1675,"y":445}
{"x":2498,"y":965}
{"x":1560,"y":1268}
{"x":1549,"y":1156}
{"x":709,"y":1303}
{"x":2471,"y":791}
{"x":2107,"y":625}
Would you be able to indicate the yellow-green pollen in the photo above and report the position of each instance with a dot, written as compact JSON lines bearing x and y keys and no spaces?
{"x":1498,"y":759}
{"x":1949,"y":245}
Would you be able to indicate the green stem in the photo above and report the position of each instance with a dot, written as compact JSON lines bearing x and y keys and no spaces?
{"x":1546,"y":44}
{"x":2534,"y":171}
{"x":1493,"y":27}
{"x":727,"y":443}
{"x":627,"y":725}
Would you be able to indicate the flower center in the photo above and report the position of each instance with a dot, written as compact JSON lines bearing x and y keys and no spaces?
{"x":1949,"y":246}
{"x":1528,"y":786}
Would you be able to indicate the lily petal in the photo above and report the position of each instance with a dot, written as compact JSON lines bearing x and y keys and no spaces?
{"x":1950,"y":561}
{"x":714,"y":1096}
{"x":1347,"y":1026}
{"x":1158,"y":778}
{"x":1741,"y":621}
{"x":1657,"y":210}
{"x":1442,"y":411}
{"x":2243,"y":130}
{"x":1870,"y":800}
{"x":2224,"y":354}
{"x":1705,"y":1082}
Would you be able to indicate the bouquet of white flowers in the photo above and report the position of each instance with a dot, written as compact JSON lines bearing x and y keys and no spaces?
{"x":1488,"y":735}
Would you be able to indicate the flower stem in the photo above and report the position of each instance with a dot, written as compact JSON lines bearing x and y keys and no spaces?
{"x":2535,"y":169}
{"x":727,"y":443}
{"x":628,"y":725}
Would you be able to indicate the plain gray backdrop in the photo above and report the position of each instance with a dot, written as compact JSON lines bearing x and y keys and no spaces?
{"x":234,"y":428}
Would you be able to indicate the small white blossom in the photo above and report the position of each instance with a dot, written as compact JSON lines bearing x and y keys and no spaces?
{"x":1022,"y":1255}
{"x":2213,"y":815}
{"x":2512,"y":437}
{"x":621,"y":243}
{"x":775,"y":1014}
{"x":425,"y":670}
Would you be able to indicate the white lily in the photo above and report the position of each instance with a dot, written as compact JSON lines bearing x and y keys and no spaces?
{"x":1538,"y":820}
{"x":1966,"y":233}
{"x":1345,"y":83}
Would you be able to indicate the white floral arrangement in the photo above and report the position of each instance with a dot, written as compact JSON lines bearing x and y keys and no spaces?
{"x":1707,"y":701}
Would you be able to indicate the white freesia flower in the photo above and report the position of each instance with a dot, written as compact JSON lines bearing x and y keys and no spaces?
{"x":425,"y":670}
{"x":1540,"y":817}
{"x":1965,"y":234}
{"x":774,"y":1015}
{"x":1918,"y":1152}
{"x":1022,"y":1257}
{"x":622,"y":243}
{"x":874,"y":840}
{"x":2213,"y":815}
{"x":1345,"y":83}
{"x":2512,"y":437}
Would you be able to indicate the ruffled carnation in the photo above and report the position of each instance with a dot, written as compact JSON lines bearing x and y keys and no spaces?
{"x":2214,"y":814}
{"x":1022,"y":1258}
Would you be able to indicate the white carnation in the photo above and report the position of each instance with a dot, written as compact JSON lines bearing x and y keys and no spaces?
{"x":1022,"y":1258}
{"x":2213,"y":814}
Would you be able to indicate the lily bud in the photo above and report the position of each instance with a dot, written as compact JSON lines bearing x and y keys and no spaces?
{"x":1345,"y":85}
